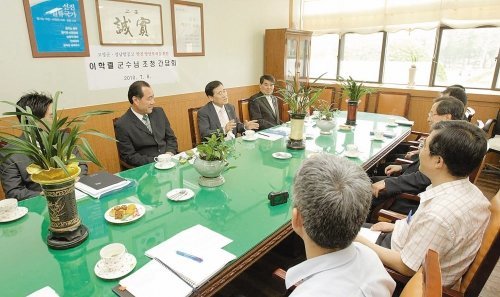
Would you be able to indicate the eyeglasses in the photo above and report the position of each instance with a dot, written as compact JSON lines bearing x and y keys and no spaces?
{"x":421,"y":143}
{"x":220,"y":93}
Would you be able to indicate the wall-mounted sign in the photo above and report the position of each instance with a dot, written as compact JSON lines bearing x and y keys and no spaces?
{"x":56,"y":28}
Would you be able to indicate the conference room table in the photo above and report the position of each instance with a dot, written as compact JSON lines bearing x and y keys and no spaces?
{"x":239,"y":209}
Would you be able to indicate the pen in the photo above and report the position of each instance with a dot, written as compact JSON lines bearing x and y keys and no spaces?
{"x":265,"y":135}
{"x":408,"y":218}
{"x":189,"y":256}
{"x":182,"y":277}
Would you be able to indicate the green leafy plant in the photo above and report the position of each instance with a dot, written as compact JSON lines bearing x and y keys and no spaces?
{"x":352,"y":89}
{"x":326,"y":112}
{"x":50,"y":144}
{"x":300,"y":97}
{"x":215,"y":148}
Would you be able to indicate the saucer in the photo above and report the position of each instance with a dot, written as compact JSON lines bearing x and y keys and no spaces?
{"x":351,"y":155}
{"x":378,"y":139}
{"x":17,"y":214}
{"x":139,"y":212}
{"x":282,"y":155}
{"x":246,"y":138}
{"x":175,"y":194}
{"x":128,"y":265}
{"x":391,"y":125}
{"x":405,"y":122}
{"x":167,"y":165}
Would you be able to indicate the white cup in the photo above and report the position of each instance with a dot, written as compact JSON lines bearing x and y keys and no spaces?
{"x":8,"y":207}
{"x":351,"y":149}
{"x":163,"y":158}
{"x":249,"y":133}
{"x":112,"y":256}
{"x":379,"y":134}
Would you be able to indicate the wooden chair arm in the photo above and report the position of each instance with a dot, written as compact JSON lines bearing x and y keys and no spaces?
{"x":279,"y":274}
{"x":419,"y":134}
{"x":408,"y":196}
{"x":126,"y":165}
{"x":398,"y":277}
{"x":391,"y":215}
{"x":451,"y":293}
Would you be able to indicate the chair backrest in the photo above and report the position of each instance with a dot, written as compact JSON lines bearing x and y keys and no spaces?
{"x":392,"y":103}
{"x":487,"y":127}
{"x":487,"y":256}
{"x":123,"y":165}
{"x":284,"y":108}
{"x":469,"y":113}
{"x":244,"y":109}
{"x":193,"y":125}
{"x":427,"y":280}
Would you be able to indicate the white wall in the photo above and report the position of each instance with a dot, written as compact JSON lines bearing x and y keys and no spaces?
{"x":234,"y":45}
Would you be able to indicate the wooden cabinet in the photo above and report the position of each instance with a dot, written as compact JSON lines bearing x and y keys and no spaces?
{"x":287,"y":52}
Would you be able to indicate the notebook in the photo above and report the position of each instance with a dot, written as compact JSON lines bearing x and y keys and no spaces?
{"x":101,"y":183}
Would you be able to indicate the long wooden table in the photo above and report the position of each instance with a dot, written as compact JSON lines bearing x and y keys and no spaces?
{"x":239,"y":209}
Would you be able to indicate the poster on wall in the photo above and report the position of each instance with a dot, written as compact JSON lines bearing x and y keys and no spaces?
{"x":187,"y":26}
{"x":118,"y":67}
{"x":56,"y":28}
{"x":129,"y":23}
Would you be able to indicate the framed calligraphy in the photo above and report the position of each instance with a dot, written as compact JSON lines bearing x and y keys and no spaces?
{"x":129,"y":23}
{"x":56,"y":28}
{"x":187,"y":26}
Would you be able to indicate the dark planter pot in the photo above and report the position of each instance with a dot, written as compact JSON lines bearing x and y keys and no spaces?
{"x":296,"y":140}
{"x":352,"y":109}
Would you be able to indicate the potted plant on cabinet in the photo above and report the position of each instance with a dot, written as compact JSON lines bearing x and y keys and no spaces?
{"x":212,"y":159}
{"x":51,"y":146}
{"x":300,"y":98}
{"x":326,"y":117}
{"x":353,"y":90}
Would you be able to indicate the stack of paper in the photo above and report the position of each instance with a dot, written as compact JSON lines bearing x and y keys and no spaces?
{"x":181,"y":264}
{"x":369,"y":234}
{"x":101,"y":183}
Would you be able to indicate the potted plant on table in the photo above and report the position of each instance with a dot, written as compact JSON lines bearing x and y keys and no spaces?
{"x":300,"y":98}
{"x":353,"y":90}
{"x":51,"y":147}
{"x":212,"y":159}
{"x":326,"y":117}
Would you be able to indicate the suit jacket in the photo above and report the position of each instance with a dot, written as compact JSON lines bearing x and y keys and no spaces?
{"x":261,"y":111}
{"x":17,"y":183}
{"x":136,"y":145}
{"x":411,"y":181}
{"x":208,"y":121}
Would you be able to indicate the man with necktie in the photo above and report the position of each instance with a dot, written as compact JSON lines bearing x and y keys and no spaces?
{"x":263,"y":106}
{"x":218,"y":114}
{"x":144,"y":131}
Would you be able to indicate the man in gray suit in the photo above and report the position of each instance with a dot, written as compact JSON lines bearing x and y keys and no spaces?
{"x":218,"y":114}
{"x":143,"y":132}
{"x":16,"y":181}
{"x":264,"y":106}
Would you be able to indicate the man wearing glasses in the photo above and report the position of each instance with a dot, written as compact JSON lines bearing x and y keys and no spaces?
{"x":218,"y":114}
{"x":411,"y":180}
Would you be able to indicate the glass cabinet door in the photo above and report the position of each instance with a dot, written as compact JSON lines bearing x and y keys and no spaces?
{"x":304,"y":53}
{"x":291,"y":56}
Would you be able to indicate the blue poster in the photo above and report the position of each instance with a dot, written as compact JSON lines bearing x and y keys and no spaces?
{"x":57,"y":26}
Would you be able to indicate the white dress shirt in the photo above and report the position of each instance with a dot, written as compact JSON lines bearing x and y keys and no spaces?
{"x":270,"y":101}
{"x":223,"y":119}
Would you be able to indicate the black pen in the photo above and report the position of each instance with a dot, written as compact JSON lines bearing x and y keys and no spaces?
{"x":265,"y":135}
{"x":185,"y":279}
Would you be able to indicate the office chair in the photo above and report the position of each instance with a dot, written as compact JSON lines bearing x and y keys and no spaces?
{"x":244,"y":110}
{"x":123,"y":165}
{"x":193,"y":126}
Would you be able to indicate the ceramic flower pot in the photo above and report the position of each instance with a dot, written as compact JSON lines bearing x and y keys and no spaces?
{"x":326,"y":126}
{"x":296,"y":141}
{"x":210,"y":172}
{"x":352,"y":109}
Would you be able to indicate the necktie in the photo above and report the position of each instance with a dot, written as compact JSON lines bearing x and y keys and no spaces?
{"x":271,"y":102}
{"x":145,"y":119}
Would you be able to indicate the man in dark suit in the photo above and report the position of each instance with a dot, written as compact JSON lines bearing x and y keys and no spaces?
{"x":218,"y":114}
{"x":263,"y":106}
{"x":411,"y":179}
{"x":144,"y":131}
{"x":16,"y":181}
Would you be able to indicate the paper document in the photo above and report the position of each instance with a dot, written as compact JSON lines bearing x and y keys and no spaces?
{"x":369,"y":234}
{"x":44,"y":292}
{"x":268,"y":136}
{"x":154,"y":280}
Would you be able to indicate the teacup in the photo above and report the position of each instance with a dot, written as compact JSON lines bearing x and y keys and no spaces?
{"x":112,"y":256}
{"x":163,"y":159}
{"x":8,"y":207}
{"x":392,"y":121}
{"x":351,"y":149}
{"x":378,"y":134}
{"x":249,"y":133}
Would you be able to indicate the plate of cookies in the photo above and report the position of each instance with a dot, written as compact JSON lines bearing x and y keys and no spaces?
{"x":124,"y":213}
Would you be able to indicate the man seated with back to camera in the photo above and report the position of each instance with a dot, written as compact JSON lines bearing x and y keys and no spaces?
{"x":453,"y":213}
{"x":330,"y":203}
{"x":411,"y":180}
{"x":144,"y":131}
{"x":16,"y":181}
